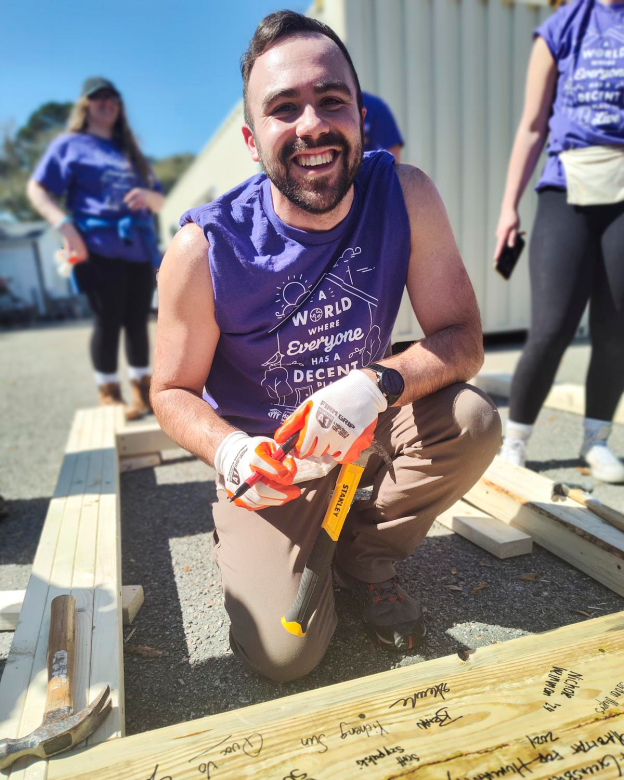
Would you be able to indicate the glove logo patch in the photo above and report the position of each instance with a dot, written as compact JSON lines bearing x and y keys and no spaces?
{"x":324,"y":420}
{"x":234,"y":476}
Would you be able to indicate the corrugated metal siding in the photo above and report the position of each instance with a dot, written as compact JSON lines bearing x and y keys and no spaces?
{"x":453,"y":72}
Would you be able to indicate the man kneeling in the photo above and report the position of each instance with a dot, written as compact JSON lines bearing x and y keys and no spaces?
{"x":276,"y":307}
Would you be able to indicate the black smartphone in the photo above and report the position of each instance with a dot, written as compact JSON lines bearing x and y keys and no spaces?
{"x":506,"y":261}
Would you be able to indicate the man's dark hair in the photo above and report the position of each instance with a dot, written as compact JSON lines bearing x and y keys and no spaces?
{"x":280,"y":25}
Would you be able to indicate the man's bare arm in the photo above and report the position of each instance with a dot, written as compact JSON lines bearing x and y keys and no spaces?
{"x":186,"y":339}
{"x":441,"y":295}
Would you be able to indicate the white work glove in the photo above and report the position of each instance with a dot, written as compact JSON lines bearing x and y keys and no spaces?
{"x":240,"y":455}
{"x":338,"y":420}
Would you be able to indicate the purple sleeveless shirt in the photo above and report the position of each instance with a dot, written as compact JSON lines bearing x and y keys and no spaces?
{"x":298,"y":310}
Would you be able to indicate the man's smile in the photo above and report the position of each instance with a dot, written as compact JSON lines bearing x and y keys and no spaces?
{"x":316,"y":161}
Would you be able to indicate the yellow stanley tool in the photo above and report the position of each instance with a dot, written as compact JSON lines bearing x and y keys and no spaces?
{"x":296,"y":619}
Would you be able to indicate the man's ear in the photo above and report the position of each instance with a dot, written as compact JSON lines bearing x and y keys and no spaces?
{"x":250,"y":143}
{"x":364,"y":112}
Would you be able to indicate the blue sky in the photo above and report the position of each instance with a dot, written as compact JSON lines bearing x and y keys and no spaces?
{"x":176,"y":63}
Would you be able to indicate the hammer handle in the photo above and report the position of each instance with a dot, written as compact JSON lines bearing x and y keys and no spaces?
{"x":607,"y":513}
{"x":61,"y":653}
{"x":295,"y":621}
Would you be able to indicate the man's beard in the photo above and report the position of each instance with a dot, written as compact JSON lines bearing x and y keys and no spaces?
{"x":317,"y":196}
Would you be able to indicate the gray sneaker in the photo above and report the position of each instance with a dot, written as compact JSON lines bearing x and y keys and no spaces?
{"x":388,"y":610}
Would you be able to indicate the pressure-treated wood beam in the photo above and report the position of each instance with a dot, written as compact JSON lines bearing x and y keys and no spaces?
{"x":542,"y":706}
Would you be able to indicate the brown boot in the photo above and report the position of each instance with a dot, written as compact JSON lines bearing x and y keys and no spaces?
{"x":110,"y":395}
{"x":140,"y":389}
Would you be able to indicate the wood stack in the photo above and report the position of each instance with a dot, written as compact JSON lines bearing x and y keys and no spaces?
{"x":522,"y":500}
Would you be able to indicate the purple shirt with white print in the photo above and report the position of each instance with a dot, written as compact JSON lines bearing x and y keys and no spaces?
{"x":297,"y":310}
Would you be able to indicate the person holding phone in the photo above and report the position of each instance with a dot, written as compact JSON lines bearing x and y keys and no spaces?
{"x":109,"y":234}
{"x":574,"y":93}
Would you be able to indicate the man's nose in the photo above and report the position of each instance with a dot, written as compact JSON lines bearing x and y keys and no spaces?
{"x":311,"y":123}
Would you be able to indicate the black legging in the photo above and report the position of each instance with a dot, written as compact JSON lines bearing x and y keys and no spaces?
{"x":576,"y":255}
{"x":120,"y":295}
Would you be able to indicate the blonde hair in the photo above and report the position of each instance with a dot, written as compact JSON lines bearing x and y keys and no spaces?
{"x":78,"y":123}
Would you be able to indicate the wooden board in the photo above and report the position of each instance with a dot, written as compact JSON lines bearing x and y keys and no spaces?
{"x":536,"y":707}
{"x":78,"y":553}
{"x":132,"y":598}
{"x":523,"y":499}
{"x":493,"y":535}
{"x":139,"y":462}
{"x":142,"y":438}
{"x":10,"y":606}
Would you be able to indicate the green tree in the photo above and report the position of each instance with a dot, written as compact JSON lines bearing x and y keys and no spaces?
{"x":19,"y":152}
{"x":169,"y":169}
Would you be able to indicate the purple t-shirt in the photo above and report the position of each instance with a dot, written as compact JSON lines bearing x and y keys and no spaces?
{"x":380,"y":128}
{"x":586,"y":38}
{"x":95,"y":176}
{"x":296,"y":309}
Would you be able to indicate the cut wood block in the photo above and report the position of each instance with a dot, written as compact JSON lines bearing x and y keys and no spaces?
{"x":524,"y":499}
{"x":542,"y":706}
{"x":143,"y":438}
{"x":132,"y":598}
{"x":140,"y":462}
{"x":10,"y":606}
{"x":493,"y":535}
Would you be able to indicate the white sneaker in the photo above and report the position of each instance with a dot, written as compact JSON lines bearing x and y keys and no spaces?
{"x":513,"y":451}
{"x":604,"y":464}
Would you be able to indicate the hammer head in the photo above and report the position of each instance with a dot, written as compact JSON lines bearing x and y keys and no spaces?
{"x":59,"y":731}
{"x":377,"y":448}
{"x":561,"y":489}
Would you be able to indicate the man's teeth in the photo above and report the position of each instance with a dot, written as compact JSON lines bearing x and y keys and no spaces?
{"x":315,"y":159}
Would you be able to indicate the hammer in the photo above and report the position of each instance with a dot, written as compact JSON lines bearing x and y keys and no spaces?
{"x":60,"y":730}
{"x":296,"y":619}
{"x":581,"y":496}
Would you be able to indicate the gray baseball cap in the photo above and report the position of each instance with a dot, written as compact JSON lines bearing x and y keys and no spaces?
{"x":95,"y":83}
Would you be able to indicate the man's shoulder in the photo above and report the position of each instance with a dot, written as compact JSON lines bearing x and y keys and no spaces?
{"x":419,"y":191}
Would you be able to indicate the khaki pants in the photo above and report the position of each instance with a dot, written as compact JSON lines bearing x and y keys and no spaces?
{"x":440,"y":446}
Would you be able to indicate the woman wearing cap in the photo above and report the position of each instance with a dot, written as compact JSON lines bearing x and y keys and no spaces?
{"x":111,"y":194}
{"x":575,"y":93}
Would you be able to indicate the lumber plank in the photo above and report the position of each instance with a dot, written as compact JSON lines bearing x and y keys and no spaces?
{"x":132,"y":598}
{"x":79,"y":553}
{"x":139,"y":462}
{"x":19,"y":665}
{"x":541,"y":706}
{"x":107,"y":633}
{"x":142,"y":438}
{"x":487,"y":532}
{"x":10,"y":606}
{"x":59,"y":582}
{"x":523,"y":499}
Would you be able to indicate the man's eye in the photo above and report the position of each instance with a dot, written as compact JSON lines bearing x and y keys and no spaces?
{"x":332,"y":101}
{"x":284,"y":108}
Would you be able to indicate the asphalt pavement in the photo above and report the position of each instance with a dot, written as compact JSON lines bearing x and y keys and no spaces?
{"x":166,"y":543}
